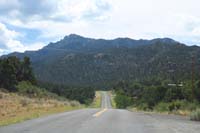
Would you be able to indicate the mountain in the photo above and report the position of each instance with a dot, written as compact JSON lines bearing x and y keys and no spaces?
{"x":80,"y":61}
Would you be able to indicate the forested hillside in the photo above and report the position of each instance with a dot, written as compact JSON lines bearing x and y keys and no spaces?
{"x":17,"y":76}
{"x":78,"y":61}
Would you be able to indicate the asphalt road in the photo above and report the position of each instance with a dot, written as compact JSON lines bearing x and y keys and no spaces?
{"x":105,"y":120}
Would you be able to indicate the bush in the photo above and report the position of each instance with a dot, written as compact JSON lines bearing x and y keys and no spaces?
{"x":153,"y":95}
{"x":26,"y":88}
{"x":83,"y":95}
{"x":143,"y":106}
{"x":173,"y":106}
{"x":195,"y":115}
{"x":14,"y":70}
{"x":197,"y":90}
{"x":192,"y":106}
{"x":122,"y":101}
{"x":176,"y":105}
{"x":187,"y":91}
{"x":174,"y":93}
{"x":162,"y":107}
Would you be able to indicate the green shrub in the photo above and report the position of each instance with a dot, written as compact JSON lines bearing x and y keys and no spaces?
{"x":192,"y":106}
{"x":197,"y":90}
{"x":186,"y":105}
{"x":162,"y":107}
{"x":173,"y":106}
{"x":122,"y":101}
{"x":26,"y":88}
{"x":174,"y":93}
{"x":143,"y":106}
{"x":195,"y":115}
{"x":176,"y":105}
{"x":153,"y":95}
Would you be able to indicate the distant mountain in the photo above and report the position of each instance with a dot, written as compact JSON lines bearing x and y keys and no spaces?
{"x":80,"y":61}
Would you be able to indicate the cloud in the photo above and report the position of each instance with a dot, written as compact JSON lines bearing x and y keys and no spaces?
{"x":26,"y":10}
{"x":54,"y":10}
{"x":8,"y":37}
{"x":49,"y":16}
{"x":35,"y":22}
{"x":55,"y":19}
{"x":9,"y":41}
{"x":8,"y":7}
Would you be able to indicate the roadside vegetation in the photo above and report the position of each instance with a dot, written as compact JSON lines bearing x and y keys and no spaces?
{"x":84,"y":95}
{"x":112,"y":98}
{"x":195,"y":115}
{"x":158,"y":96}
{"x":16,"y":108}
{"x":22,"y":97}
{"x":97,"y":100}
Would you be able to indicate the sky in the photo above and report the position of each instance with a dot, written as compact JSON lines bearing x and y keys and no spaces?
{"x":32,"y":24}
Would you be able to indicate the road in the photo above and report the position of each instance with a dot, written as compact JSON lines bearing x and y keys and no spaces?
{"x":105,"y":120}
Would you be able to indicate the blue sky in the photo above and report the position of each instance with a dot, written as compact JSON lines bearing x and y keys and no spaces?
{"x":32,"y":24}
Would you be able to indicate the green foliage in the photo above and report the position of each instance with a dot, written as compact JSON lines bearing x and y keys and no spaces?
{"x":12,"y":71}
{"x":153,"y":95}
{"x":173,"y":106}
{"x":174,"y":93}
{"x":8,"y":77}
{"x":176,"y":105}
{"x":187,"y":91}
{"x":83,"y":95}
{"x":17,"y":75}
{"x":122,"y":101}
{"x":133,"y":89}
{"x":143,"y":106}
{"x":162,"y":107}
{"x":195,"y":115}
{"x":101,"y":63}
{"x":27,"y":88}
{"x":26,"y":70}
{"x":197,"y":90}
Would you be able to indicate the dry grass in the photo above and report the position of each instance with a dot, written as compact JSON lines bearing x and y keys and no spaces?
{"x":112,"y":99}
{"x":195,"y":115}
{"x":15,"y":108}
{"x":97,"y":100}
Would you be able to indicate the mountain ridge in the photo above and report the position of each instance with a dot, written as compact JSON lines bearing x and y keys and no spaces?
{"x":76,"y":36}
{"x":80,"y":61}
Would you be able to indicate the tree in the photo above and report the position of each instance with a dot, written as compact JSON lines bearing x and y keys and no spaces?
{"x":122,"y":101}
{"x":153,"y":95}
{"x":27,"y":73}
{"x":135,"y":90}
{"x":8,"y":74}
{"x":197,"y":90}
{"x":174,"y":93}
{"x":12,"y":71}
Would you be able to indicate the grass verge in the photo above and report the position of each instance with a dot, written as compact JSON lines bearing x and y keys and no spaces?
{"x":195,"y":115}
{"x":178,"y":107}
{"x":15,"y":108}
{"x":97,"y":100}
{"x":112,"y":99}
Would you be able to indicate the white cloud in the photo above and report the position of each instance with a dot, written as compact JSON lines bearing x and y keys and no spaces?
{"x":53,"y":10}
{"x":33,"y":46}
{"x":8,"y":37}
{"x":9,"y":42}
{"x":66,"y":17}
{"x":178,"y":19}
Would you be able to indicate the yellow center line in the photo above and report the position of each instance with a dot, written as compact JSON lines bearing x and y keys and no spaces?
{"x":100,"y":112}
